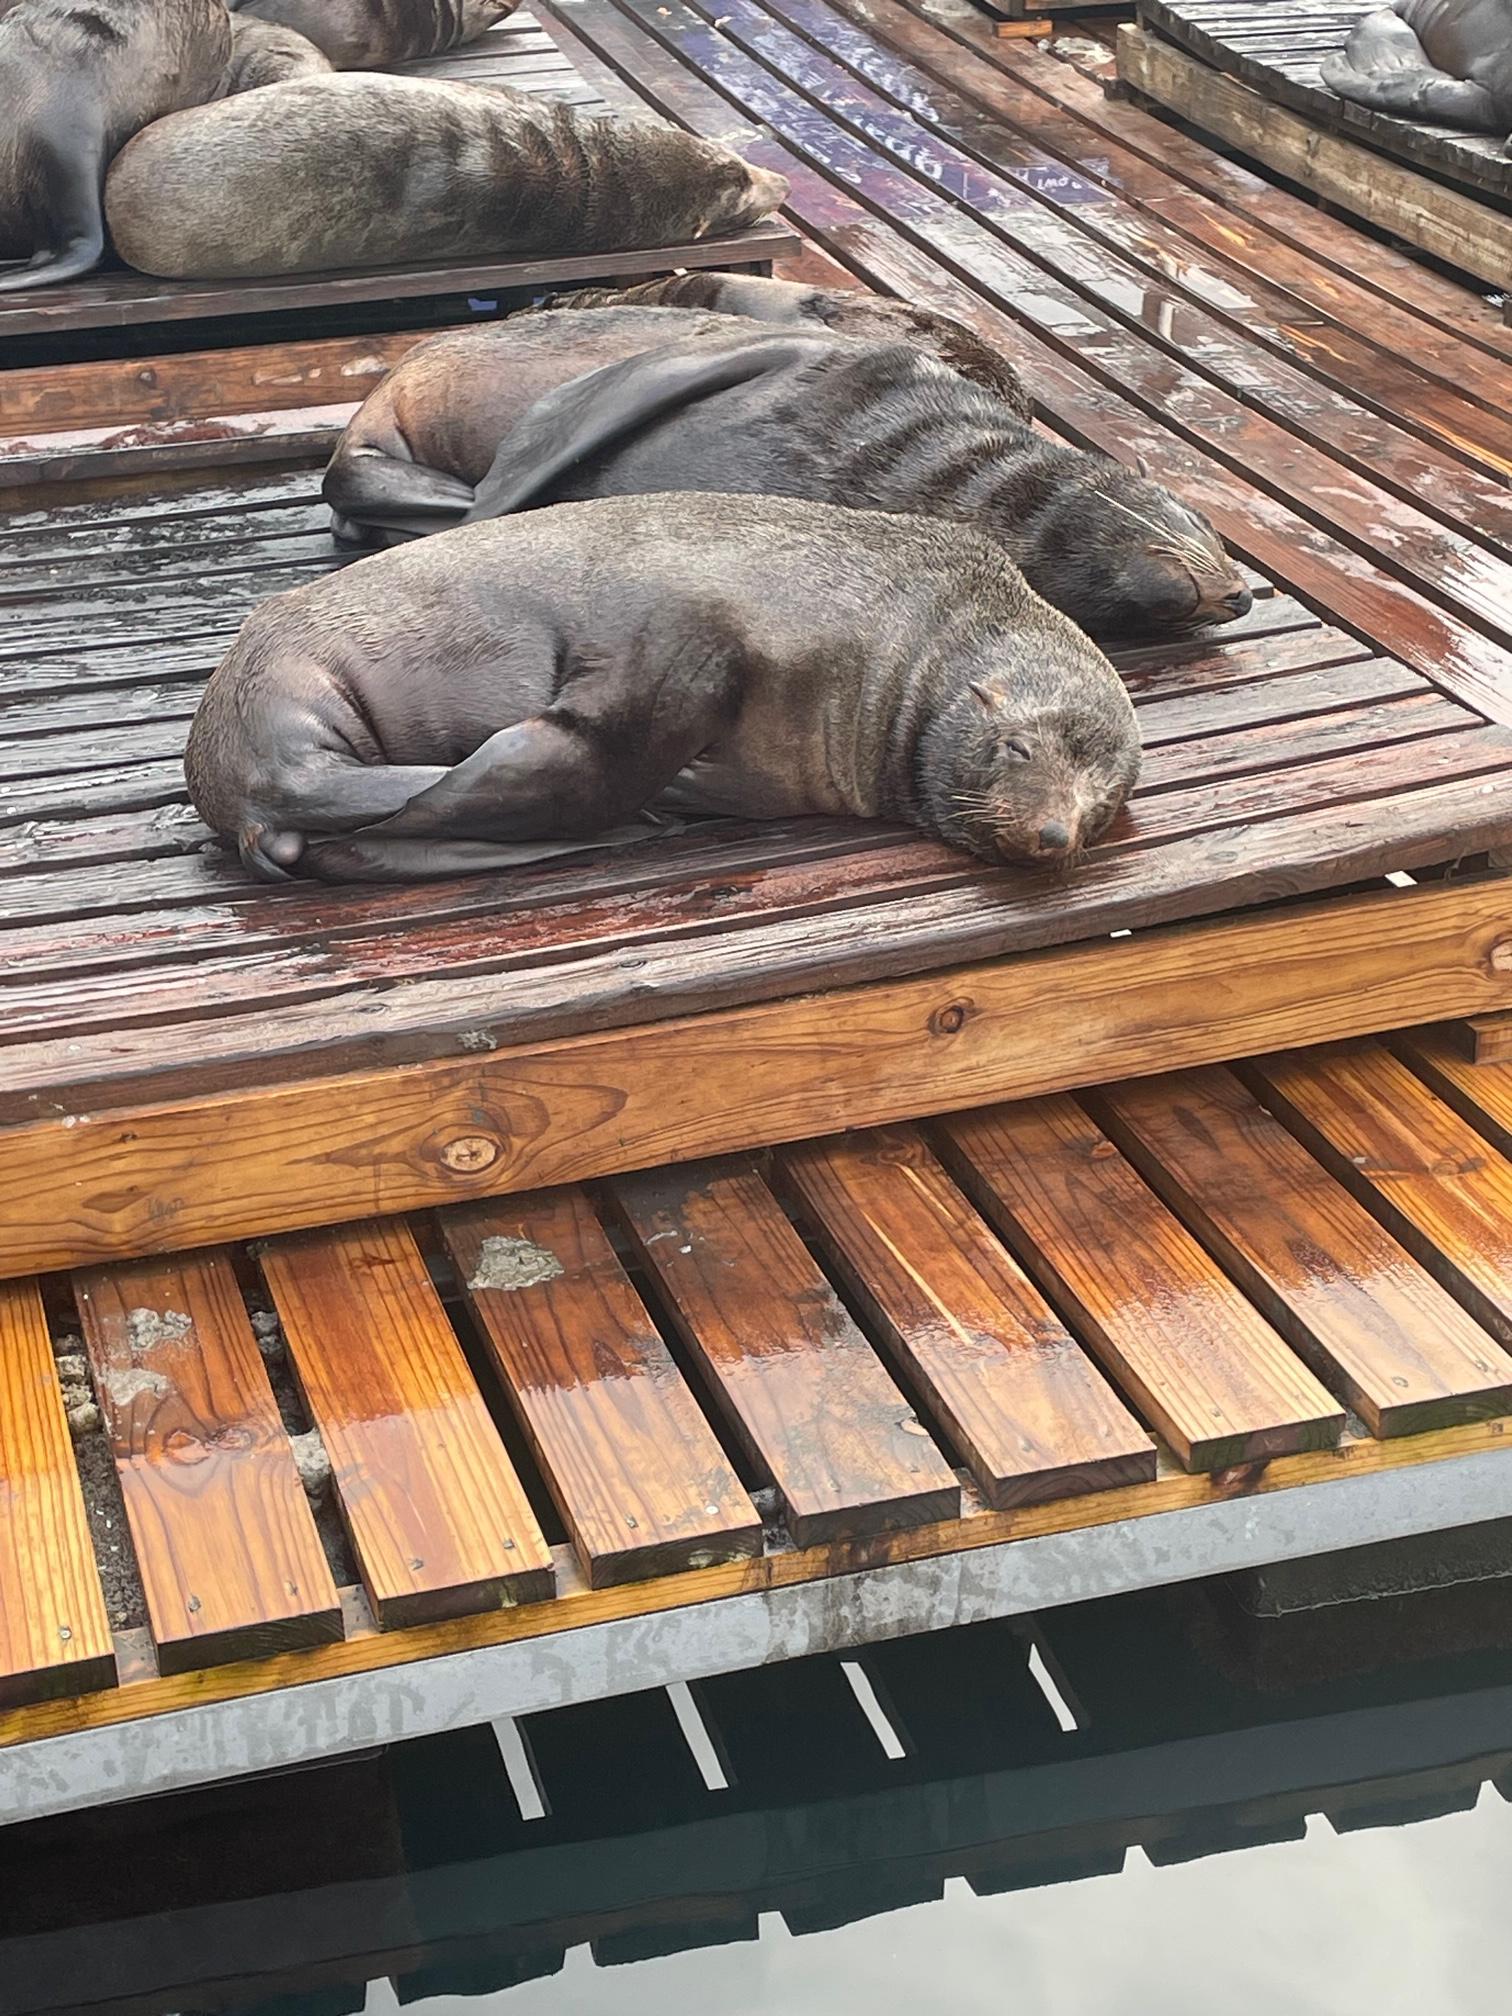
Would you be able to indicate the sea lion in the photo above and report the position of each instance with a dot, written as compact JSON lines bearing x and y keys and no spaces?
{"x":371,"y":34}
{"x":263,"y":54}
{"x":519,"y":689}
{"x":77,"y":79}
{"x":847,"y":311}
{"x":339,"y":171}
{"x":547,"y":407}
{"x":1448,"y":62}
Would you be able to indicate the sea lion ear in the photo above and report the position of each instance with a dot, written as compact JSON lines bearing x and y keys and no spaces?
{"x":991,"y":701}
{"x":1141,"y":467}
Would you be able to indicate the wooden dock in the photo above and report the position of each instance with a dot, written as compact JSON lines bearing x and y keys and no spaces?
{"x":602,"y":1413}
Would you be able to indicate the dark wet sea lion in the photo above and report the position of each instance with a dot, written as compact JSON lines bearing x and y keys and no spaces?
{"x":511,"y":689}
{"x":341,"y":171}
{"x":263,"y":54}
{"x":1448,"y":62}
{"x":77,"y":79}
{"x":526,"y":412}
{"x":846,"y":311}
{"x":371,"y":34}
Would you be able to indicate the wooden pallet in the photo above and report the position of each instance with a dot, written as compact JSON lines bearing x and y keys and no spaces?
{"x":1280,"y":46}
{"x":517,"y":55}
{"x":1072,"y":1321}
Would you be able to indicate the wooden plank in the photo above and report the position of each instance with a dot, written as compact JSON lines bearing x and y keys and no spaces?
{"x":439,"y":1522}
{"x":1202,"y":1366}
{"x":1420,"y":1166}
{"x":636,"y":1473}
{"x":1485,"y":1039}
{"x":366,"y":1650}
{"x":1377,"y":1329}
{"x":1452,"y":226}
{"x":1001,"y":1377}
{"x":797,"y":1383}
{"x":54,"y":1634}
{"x":98,"y":1185}
{"x":231,"y":1564}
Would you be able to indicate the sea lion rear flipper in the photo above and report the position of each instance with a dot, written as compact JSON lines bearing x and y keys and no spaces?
{"x":365,"y":487}
{"x":72,"y":169}
{"x":588,"y":414}
{"x":1385,"y":67}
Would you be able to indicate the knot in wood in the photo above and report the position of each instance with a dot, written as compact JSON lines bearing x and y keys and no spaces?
{"x":469,"y":1153}
{"x":950,"y":1020}
{"x":1501,"y":956}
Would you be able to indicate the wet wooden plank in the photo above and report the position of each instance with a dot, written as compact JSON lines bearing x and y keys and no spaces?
{"x":1004,"y":1381}
{"x":1202,"y":1366}
{"x":54,"y":1634}
{"x":796,"y":1381}
{"x":1276,"y":745}
{"x":636,"y":1472}
{"x":1435,"y":1182}
{"x":439,"y":1521}
{"x":1374,"y":1326}
{"x":231,"y":1564}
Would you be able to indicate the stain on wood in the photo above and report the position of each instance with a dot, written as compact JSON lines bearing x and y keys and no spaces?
{"x":440,"y":1524}
{"x":635,"y":1471}
{"x":796,"y":1381}
{"x":54,"y":1634}
{"x":1010,"y":1388}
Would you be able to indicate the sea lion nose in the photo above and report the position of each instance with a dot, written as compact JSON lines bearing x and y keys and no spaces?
{"x":1054,"y":838}
{"x":1239,"y":603}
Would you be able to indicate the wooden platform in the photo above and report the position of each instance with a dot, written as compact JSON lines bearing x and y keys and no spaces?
{"x":1025,"y":1355}
{"x":518,"y":55}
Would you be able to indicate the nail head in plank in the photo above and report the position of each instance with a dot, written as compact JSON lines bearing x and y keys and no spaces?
{"x":1009,"y":1388}
{"x":439,"y":1522}
{"x":1372,"y":1324}
{"x":1205,"y":1369}
{"x":801,"y":1387}
{"x":54,"y":1633}
{"x":636,"y":1472}
{"x":231,"y":1564}
{"x":1436,"y":1182}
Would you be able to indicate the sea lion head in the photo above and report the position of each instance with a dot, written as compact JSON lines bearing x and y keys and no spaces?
{"x":1124,"y":557}
{"x":726,"y":194}
{"x":1019,"y":777}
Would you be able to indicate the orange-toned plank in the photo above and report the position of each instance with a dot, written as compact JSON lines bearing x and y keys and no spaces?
{"x":1372,"y":1323}
{"x":1010,"y":1389}
{"x":1171,"y":1329}
{"x":1437,"y":1184}
{"x":54,"y":1634}
{"x":808,"y":1397}
{"x":636,"y":1472}
{"x":440,"y":1523}
{"x":231,"y":1564}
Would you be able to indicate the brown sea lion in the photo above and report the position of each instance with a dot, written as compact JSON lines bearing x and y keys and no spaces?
{"x":514,"y":690}
{"x":345,"y":171}
{"x":846,"y":311}
{"x":561,"y":405}
{"x":1448,"y":62}
{"x":77,"y":79}
{"x":263,"y":54}
{"x":371,"y":34}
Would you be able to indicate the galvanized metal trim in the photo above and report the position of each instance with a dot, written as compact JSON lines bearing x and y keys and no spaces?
{"x":329,"y":1718}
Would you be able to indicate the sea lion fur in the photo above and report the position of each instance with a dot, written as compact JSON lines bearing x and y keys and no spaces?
{"x":516,"y":689}
{"x":371,"y":34}
{"x":263,"y":53}
{"x":550,"y":407}
{"x":77,"y":79}
{"x":1447,"y":62}
{"x":355,"y":170}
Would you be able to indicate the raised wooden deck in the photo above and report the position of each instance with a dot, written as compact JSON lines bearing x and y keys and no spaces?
{"x":191,"y":1063}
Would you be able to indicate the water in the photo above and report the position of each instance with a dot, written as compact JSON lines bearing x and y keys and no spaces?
{"x":1156,"y":1801}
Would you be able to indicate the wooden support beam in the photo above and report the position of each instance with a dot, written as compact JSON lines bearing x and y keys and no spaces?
{"x":83,"y":1189}
{"x":1454,"y":227}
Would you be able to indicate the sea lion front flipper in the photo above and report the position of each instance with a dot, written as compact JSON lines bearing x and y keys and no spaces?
{"x":370,"y":491}
{"x":72,"y":169}
{"x":373,"y":857}
{"x":590,"y":413}
{"x":1386,"y":68}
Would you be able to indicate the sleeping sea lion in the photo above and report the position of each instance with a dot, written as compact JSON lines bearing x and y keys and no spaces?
{"x":1448,"y":62}
{"x":371,"y":34}
{"x":77,"y":79}
{"x":521,"y":689}
{"x":847,"y":311}
{"x":263,"y":54}
{"x":546,"y":407}
{"x":342,"y":171}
